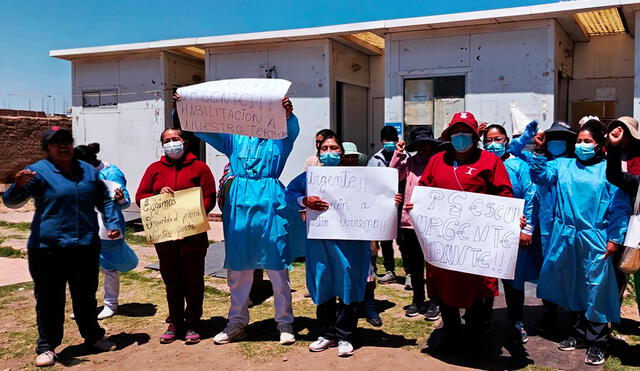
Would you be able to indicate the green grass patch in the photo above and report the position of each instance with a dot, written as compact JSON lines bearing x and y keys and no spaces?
{"x":10,"y":252}
{"x":22,"y":227}
{"x":133,"y":239}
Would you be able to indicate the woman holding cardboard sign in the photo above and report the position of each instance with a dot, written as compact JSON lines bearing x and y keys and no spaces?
{"x":256,"y":224}
{"x":464,"y":166}
{"x":181,"y":261}
{"x":335,"y":268}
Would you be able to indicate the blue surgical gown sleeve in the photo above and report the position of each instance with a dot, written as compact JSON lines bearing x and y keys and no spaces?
{"x":618,"y":214}
{"x":116,"y":175}
{"x":544,"y":172}
{"x":295,"y":190}
{"x":220,"y":141}
{"x":106,"y":205}
{"x":293,"y":129}
{"x":529,"y":196}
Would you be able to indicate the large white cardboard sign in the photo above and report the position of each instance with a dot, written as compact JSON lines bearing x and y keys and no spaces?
{"x":251,"y":107}
{"x":468,"y":232}
{"x":361,"y":203}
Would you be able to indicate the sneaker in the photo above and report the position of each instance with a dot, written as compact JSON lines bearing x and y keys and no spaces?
{"x":104,"y":345}
{"x":169,"y":335}
{"x":287,"y":337}
{"x":106,"y":312}
{"x":595,"y":355}
{"x":345,"y":349}
{"x":389,"y":277}
{"x":229,"y":334}
{"x":407,"y":283}
{"x":415,"y":309}
{"x":570,"y":343}
{"x":520,"y":334}
{"x":191,"y":337}
{"x":322,"y":344}
{"x":371,"y":313}
{"x":46,"y":359}
{"x":433,"y":312}
{"x":375,"y":321}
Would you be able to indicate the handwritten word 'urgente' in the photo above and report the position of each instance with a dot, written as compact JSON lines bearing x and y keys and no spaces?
{"x":345,"y":180}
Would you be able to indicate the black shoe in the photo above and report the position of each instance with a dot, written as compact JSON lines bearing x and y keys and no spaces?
{"x":433,"y":311}
{"x":519,"y":334}
{"x":570,"y":343}
{"x":595,"y":355}
{"x":416,"y":309}
{"x":375,"y":321}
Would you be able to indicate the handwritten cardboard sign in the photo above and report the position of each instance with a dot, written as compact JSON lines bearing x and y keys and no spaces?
{"x":251,"y":107}
{"x":468,"y":232}
{"x":361,"y":203}
{"x":169,"y":217}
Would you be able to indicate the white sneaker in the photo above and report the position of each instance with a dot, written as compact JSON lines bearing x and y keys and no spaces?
{"x":322,"y":344}
{"x":46,"y":359}
{"x":104,"y":345}
{"x":345,"y":349}
{"x":229,"y":334}
{"x":107,"y":312}
{"x":287,"y":338}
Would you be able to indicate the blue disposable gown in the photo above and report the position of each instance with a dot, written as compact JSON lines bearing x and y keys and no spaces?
{"x":255,"y":215}
{"x":589,"y":211}
{"x":529,"y":259}
{"x":116,"y":254}
{"x":335,"y":268}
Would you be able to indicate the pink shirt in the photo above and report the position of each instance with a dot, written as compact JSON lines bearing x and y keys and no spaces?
{"x":410,"y":168}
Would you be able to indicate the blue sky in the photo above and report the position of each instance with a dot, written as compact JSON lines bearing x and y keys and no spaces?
{"x":30,"y":28}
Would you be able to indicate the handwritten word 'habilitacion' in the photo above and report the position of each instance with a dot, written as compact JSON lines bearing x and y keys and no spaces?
{"x":361,"y":203}
{"x":251,"y":107}
{"x":168,"y":217}
{"x":468,"y":232}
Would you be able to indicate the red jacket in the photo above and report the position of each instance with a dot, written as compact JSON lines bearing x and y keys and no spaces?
{"x":485,"y":173}
{"x":191,"y":172}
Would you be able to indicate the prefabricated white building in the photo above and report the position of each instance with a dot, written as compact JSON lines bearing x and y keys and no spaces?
{"x":553,"y":61}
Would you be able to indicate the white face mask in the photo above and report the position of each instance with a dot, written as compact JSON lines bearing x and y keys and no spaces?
{"x":174,"y":149}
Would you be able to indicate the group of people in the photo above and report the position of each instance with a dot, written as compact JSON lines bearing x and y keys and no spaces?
{"x":577,"y":197}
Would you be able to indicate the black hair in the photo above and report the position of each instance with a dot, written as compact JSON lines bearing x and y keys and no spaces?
{"x":388,"y":133}
{"x":326,"y":132}
{"x":598,"y":133}
{"x":87,"y":153}
{"x":334,"y":137}
{"x":167,"y":129}
{"x":500,"y":128}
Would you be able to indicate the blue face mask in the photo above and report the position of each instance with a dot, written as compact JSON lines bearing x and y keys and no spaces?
{"x":585,"y":151}
{"x":557,"y":147}
{"x":389,"y":146}
{"x":330,"y":158}
{"x":462,"y":142}
{"x":497,"y":148}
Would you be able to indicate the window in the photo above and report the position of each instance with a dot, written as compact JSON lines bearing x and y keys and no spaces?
{"x":103,"y":98}
{"x":432,"y":101}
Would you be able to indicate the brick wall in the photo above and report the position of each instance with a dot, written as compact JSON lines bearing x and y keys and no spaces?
{"x":20,"y":142}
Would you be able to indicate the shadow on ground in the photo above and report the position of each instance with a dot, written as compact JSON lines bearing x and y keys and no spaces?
{"x":69,"y":356}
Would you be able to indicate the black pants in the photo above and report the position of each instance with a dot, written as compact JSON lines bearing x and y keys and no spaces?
{"x":477,"y":318}
{"x":387,"y":256}
{"x":182,"y":270}
{"x":593,"y":333}
{"x":414,"y":258}
{"x":337,"y":320}
{"x":515,"y":303}
{"x":51,"y":269}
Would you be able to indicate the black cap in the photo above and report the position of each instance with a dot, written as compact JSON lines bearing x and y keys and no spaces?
{"x":421,"y":134}
{"x":54,"y":131}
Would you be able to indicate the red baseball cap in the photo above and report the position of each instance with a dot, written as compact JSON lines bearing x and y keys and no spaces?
{"x":466,"y":118}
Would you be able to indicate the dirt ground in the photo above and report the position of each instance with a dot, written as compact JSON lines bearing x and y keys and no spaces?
{"x":401,"y":344}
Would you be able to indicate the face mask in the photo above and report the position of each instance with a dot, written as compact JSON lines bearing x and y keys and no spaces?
{"x":585,"y":151}
{"x":174,"y":150}
{"x":462,"y":142}
{"x":330,"y":158}
{"x":389,"y":146}
{"x":497,"y":148}
{"x":557,"y":147}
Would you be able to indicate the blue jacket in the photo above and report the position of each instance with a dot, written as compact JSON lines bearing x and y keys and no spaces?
{"x":65,"y":214}
{"x":111,"y":172}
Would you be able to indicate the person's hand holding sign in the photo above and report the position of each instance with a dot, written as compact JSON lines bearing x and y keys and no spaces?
{"x":315,"y":203}
{"x":288,"y":106}
{"x":398,"y":199}
{"x":166,"y":190}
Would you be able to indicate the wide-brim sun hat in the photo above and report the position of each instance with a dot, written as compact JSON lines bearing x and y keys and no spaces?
{"x":350,"y":148}
{"x":629,"y":122}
